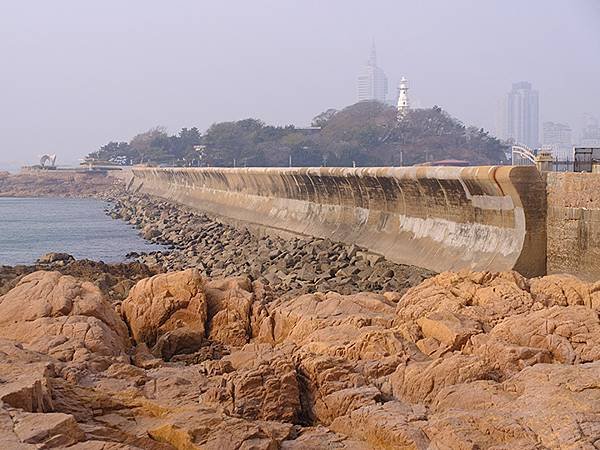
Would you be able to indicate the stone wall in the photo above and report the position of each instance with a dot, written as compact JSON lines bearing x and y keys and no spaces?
{"x":439,"y":218}
{"x":574,"y":224}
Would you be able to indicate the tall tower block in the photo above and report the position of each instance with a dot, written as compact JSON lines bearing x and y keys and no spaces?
{"x":403,"y":104}
{"x":372,"y":83}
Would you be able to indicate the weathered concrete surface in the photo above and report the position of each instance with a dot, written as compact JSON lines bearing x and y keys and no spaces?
{"x":574,"y":224}
{"x":439,"y":218}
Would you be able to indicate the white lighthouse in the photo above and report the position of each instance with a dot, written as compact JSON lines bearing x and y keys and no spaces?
{"x":403,"y":105}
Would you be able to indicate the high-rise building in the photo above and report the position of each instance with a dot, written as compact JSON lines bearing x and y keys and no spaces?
{"x":590,"y":134}
{"x":521,"y":115}
{"x":372,"y":82}
{"x":557,"y":138}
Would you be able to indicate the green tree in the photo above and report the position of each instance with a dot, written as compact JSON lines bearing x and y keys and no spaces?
{"x":151,"y":146}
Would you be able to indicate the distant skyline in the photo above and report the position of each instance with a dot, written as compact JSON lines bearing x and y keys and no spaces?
{"x":521,"y":117}
{"x":76,"y":75}
{"x":558,"y":138}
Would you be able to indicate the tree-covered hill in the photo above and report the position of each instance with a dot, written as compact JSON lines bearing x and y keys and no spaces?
{"x":365,"y":134}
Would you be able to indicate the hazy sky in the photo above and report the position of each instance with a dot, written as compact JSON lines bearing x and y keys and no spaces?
{"x":75,"y":74}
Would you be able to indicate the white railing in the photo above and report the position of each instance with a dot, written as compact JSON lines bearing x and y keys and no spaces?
{"x":522,"y":156}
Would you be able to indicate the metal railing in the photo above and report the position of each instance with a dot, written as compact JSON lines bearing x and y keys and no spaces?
{"x":522,"y":155}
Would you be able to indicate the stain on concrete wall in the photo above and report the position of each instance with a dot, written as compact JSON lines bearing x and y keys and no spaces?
{"x":439,"y":218}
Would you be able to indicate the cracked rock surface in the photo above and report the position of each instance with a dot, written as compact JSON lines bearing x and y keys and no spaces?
{"x":460,"y":361}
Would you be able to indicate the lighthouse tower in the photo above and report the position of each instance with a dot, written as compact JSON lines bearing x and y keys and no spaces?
{"x":403,"y":105}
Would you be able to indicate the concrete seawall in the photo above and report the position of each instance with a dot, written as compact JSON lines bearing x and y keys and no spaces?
{"x":439,"y":218}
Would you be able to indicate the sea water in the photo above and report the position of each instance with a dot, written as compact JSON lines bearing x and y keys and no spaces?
{"x":31,"y":227}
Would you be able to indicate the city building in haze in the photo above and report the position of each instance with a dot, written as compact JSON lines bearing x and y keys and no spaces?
{"x":590,"y":134}
{"x":557,"y":138}
{"x":372,"y":82}
{"x":519,"y":115}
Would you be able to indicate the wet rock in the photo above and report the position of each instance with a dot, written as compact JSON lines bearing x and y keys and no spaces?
{"x":50,"y":258}
{"x":150,"y":232}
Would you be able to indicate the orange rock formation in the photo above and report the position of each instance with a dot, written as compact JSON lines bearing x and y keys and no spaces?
{"x":462,"y":361}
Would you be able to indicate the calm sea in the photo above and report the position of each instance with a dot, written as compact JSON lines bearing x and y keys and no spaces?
{"x":30,"y":227}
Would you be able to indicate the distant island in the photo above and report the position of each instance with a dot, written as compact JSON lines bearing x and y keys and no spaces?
{"x":364,"y":134}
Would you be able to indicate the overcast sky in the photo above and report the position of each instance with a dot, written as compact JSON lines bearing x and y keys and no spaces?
{"x":75,"y":74}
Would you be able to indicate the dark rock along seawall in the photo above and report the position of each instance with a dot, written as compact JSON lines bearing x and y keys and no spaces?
{"x":292,"y":266}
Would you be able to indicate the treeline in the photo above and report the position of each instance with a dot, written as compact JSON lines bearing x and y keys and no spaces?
{"x":154,"y":146}
{"x":364,"y":134}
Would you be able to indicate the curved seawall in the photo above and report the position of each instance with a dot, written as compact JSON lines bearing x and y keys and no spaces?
{"x":439,"y":218}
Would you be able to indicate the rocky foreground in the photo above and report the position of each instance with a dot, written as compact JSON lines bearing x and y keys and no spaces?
{"x":461,"y":361}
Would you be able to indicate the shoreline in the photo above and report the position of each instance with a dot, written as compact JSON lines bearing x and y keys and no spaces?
{"x":291,"y":267}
